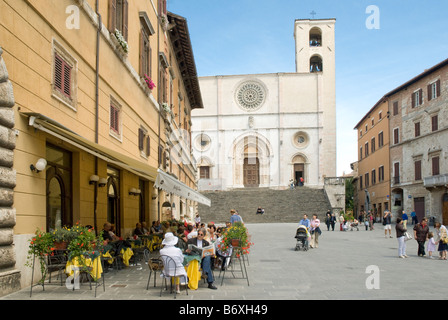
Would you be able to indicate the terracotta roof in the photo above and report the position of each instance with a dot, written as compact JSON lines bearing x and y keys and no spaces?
{"x":180,"y":40}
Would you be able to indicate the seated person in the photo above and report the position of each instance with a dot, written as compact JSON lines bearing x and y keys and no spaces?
{"x":106,"y":234}
{"x":138,"y":231}
{"x":206,"y":261}
{"x":169,"y":249}
{"x":260,"y":211}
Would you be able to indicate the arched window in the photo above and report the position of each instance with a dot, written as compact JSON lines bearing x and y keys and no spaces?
{"x":316,"y":64}
{"x":315,"y":37}
{"x":58,"y":177}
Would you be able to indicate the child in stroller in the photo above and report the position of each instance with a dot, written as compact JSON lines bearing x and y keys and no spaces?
{"x":302,"y":236}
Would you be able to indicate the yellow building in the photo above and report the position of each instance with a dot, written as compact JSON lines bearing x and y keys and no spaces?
{"x":373,"y":186}
{"x":84,"y":112}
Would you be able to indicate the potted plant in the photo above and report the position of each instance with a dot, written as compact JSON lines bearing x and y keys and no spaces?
{"x":41,"y":245}
{"x":83,"y":242}
{"x":62,"y":237}
{"x":149,"y":82}
{"x":121,"y":41}
{"x":236,"y":236}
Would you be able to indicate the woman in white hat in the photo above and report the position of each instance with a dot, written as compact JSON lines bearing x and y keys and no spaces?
{"x":176,"y":254}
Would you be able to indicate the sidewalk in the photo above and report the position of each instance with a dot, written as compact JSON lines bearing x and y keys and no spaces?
{"x":341,"y":268}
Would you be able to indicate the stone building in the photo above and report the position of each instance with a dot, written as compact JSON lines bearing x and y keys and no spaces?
{"x":419,"y":144}
{"x":89,"y":138}
{"x":9,"y":276}
{"x":373,"y":179}
{"x":266,"y":130}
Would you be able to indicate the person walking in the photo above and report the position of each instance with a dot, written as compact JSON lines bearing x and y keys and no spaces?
{"x":400,"y":230}
{"x":405,"y":218}
{"x":315,"y":231}
{"x":431,"y":245}
{"x":421,"y":231}
{"x":387,"y":223}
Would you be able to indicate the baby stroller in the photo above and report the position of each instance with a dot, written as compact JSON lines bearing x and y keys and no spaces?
{"x":302,"y":236}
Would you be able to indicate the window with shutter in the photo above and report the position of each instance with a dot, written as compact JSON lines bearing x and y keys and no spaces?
{"x":373,"y":145}
{"x":396,"y":136}
{"x":148,"y":146}
{"x":141,"y":136}
{"x":115,"y":118}
{"x":64,"y":87}
{"x":418,"y":169}
{"x":435,"y":123}
{"x":380,"y":139}
{"x":381,"y":173}
{"x":417,"y":129}
{"x":62,"y":76}
{"x":435,"y":166}
{"x":395,"y":108}
{"x":396,"y":172}
{"x":373,"y":176}
{"x":118,"y":17}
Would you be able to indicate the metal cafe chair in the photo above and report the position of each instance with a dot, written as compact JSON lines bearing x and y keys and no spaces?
{"x":169,"y":272}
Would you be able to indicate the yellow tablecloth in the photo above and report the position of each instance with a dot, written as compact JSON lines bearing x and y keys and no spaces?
{"x":95,"y":267}
{"x":193,"y":273}
{"x":127,"y":254}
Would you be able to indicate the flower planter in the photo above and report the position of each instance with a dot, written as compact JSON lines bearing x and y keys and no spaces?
{"x":60,"y":245}
{"x":235,"y":242}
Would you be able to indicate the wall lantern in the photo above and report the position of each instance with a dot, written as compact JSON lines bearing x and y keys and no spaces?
{"x":93,"y":179}
{"x":41,"y":164}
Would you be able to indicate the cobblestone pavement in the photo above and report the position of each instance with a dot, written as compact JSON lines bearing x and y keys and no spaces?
{"x":347,"y":265}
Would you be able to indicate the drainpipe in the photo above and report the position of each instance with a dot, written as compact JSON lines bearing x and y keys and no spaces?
{"x":98,"y":34}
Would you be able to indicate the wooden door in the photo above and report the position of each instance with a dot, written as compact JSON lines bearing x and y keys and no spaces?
{"x":419,"y":207}
{"x":251,"y":170}
{"x":445,"y":209}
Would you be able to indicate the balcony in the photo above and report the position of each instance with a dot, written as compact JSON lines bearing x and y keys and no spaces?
{"x":436,"y":181}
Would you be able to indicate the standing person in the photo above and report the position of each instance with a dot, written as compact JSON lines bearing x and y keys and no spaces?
{"x":370,"y":217}
{"x":421,"y":231}
{"x":305,"y":221}
{"x":234,"y":216}
{"x":332,"y":221}
{"x":404,"y":216}
{"x":431,"y":245}
{"x":387,"y":223}
{"x":341,"y":222}
{"x":414,"y":217}
{"x":315,"y":231}
{"x":328,"y":219}
{"x":400,"y":229}
{"x":442,"y":239}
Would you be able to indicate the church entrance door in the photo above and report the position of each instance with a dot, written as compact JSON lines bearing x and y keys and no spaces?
{"x":251,"y":170}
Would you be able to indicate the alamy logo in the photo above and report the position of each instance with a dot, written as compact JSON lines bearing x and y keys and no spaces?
{"x":373,"y":280}
{"x":72,"y":21}
{"x":373,"y":20}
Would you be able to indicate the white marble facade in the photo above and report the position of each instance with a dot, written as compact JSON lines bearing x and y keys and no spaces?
{"x":262,"y":130}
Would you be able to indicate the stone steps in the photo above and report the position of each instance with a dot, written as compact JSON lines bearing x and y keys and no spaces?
{"x":279,"y":205}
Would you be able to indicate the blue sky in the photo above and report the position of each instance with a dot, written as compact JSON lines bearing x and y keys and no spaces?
{"x":256,"y":36}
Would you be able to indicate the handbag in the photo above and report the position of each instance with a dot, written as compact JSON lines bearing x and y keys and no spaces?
{"x":407,"y":236}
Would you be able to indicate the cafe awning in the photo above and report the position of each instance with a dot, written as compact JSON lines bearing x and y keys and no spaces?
{"x":170,"y":184}
{"x":57,"y":130}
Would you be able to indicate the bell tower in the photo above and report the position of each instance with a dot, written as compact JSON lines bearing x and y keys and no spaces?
{"x":315,"y":58}
{"x":315,"y":45}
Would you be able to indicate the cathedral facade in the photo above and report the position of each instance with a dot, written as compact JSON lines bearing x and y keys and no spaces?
{"x":271,"y":130}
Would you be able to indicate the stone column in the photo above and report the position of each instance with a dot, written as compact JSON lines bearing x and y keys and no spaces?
{"x":9,"y":276}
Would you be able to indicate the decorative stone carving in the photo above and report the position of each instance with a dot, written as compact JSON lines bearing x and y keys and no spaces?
{"x":250,"y":95}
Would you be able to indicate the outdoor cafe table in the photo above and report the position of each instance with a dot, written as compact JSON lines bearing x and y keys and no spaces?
{"x":191,"y":263}
{"x":78,"y":263}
